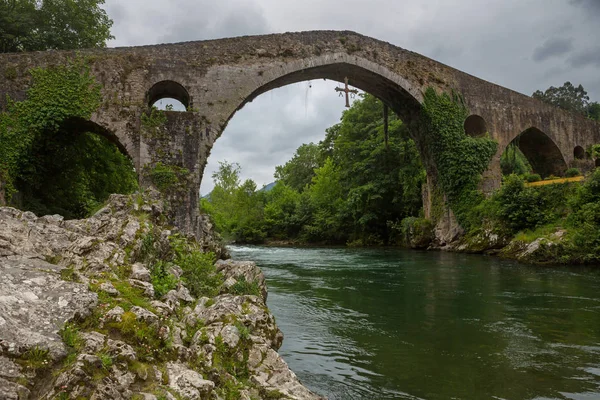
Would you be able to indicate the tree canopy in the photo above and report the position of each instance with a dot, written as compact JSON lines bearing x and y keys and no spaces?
{"x":32,"y":25}
{"x":299,"y":171}
{"x":351,"y":187}
{"x":570,"y":98}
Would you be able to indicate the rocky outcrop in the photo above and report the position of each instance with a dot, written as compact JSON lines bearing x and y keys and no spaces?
{"x":101,"y":308}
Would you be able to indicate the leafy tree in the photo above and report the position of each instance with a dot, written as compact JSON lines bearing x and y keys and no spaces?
{"x":17,"y":24}
{"x":72,"y":173}
{"x":299,"y":171}
{"x":382,"y":183}
{"x":460,"y":160}
{"x":594,"y":111}
{"x":236,"y":208}
{"x":283,"y":217}
{"x":567,"y":97}
{"x":30,"y":25}
{"x":520,"y":207}
{"x":513,"y":161}
{"x":326,"y":197}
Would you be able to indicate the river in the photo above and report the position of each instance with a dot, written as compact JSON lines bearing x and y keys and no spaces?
{"x":401,"y":324}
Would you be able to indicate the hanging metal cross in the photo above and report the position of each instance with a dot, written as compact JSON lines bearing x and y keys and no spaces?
{"x":347,"y":91}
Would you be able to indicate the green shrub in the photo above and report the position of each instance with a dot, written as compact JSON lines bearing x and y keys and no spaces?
{"x":199,"y":272}
{"x":243,"y":287}
{"x":572,"y":172}
{"x":533,"y":177}
{"x":459,"y":158}
{"x":106,"y":360}
{"x":70,"y":335}
{"x":519,"y":207}
{"x":584,"y":220}
{"x":162,"y":280}
{"x":168,"y":178}
{"x":417,"y":232}
{"x":36,"y":358}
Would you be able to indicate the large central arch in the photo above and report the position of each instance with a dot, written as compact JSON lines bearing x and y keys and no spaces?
{"x":393,"y":90}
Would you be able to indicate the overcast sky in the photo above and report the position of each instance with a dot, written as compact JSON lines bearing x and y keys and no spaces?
{"x":524,"y":45}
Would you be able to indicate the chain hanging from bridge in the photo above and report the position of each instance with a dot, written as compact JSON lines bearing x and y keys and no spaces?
{"x":347,"y":91}
{"x":386,"y":133}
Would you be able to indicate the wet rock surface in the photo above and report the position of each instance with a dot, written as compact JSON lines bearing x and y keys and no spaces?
{"x":82,"y":315}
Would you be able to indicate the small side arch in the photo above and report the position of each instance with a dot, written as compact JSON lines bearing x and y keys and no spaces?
{"x":475,"y":126}
{"x":579,"y":153}
{"x":168,"y":90}
{"x":84,"y":125}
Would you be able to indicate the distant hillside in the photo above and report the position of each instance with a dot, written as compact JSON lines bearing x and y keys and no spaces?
{"x":266,"y":188}
{"x":269,"y":187}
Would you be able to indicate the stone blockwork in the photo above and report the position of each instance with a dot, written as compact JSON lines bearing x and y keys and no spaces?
{"x":216,"y":78}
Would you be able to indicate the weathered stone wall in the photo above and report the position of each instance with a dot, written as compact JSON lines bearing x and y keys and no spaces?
{"x":220,"y":76}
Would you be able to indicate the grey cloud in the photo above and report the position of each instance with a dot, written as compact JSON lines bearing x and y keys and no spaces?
{"x":586,"y":58}
{"x":226,"y":19}
{"x":267,"y":132}
{"x":553,"y":48}
{"x":589,"y":5}
{"x":140,"y":22}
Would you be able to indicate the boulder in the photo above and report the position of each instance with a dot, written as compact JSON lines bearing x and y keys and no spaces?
{"x":34,"y":305}
{"x":188,"y":383}
{"x":234,"y":271}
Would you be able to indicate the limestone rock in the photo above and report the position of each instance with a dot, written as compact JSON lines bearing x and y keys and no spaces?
{"x":37,"y":298}
{"x":234,"y":271}
{"x":12,"y":391}
{"x":94,"y":341}
{"x":109,"y":288}
{"x":141,"y":314}
{"x":187,"y":383}
{"x":35,"y":303}
{"x":140,"y":273}
{"x":145,"y":286}
{"x":247,"y":310}
{"x":115,"y":314}
{"x":10,"y":374}
{"x":118,"y":348}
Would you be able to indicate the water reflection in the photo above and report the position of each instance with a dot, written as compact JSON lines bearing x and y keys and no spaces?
{"x":394,"y":324}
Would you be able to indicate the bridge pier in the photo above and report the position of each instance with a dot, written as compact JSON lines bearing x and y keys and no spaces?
{"x":172,"y":159}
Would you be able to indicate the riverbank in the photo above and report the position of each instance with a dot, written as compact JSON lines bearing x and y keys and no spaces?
{"x":119,"y":306}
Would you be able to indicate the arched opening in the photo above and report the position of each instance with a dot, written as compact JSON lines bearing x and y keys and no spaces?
{"x":533,"y":152}
{"x":169,"y":95}
{"x":249,"y":139}
{"x":597,"y":163}
{"x":83,"y":125}
{"x":72,"y":170}
{"x":579,"y":153}
{"x":475,"y":126}
{"x":398,"y":98}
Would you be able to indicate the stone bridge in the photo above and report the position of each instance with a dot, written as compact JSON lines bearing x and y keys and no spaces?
{"x":215,"y":78}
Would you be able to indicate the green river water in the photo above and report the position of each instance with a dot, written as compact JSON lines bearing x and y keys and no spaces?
{"x":402,"y":324}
